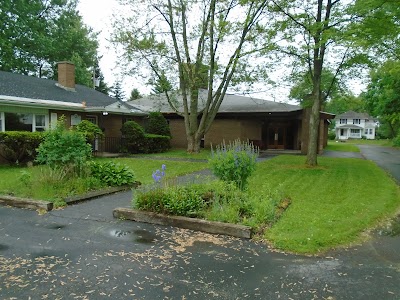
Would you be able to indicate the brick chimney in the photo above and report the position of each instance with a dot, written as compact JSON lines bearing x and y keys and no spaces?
{"x":66,"y":74}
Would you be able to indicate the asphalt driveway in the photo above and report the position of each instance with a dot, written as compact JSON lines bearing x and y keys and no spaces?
{"x":386,"y":157}
{"x":82,"y":252}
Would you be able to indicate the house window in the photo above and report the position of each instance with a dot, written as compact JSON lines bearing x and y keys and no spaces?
{"x":370,"y":131}
{"x":342,"y":132}
{"x":18,"y":122}
{"x":366,"y":131}
{"x":1,"y":121}
{"x":343,"y":121}
{"x":24,"y":122}
{"x":356,"y":121}
{"x":92,"y":119}
{"x":39,"y":123}
{"x":355,"y":131}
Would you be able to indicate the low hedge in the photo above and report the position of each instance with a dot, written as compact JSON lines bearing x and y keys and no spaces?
{"x":154,"y":143}
{"x":18,"y":147}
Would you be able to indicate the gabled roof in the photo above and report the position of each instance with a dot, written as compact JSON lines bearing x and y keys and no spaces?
{"x":354,"y":115}
{"x":230,"y":104}
{"x":22,"y":86}
{"x":17,"y":89}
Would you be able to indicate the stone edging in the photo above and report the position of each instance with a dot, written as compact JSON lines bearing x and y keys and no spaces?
{"x":26,"y":203}
{"x":240,"y":231}
{"x":98,"y":193}
{"x":46,"y":205}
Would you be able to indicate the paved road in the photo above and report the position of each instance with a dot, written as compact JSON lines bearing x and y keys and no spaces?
{"x":81,"y":252}
{"x":386,"y":157}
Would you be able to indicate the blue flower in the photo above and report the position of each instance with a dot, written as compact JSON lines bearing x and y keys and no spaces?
{"x":163,"y":167}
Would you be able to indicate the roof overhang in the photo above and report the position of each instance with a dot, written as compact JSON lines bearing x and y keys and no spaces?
{"x":19,"y":101}
{"x":51,"y":104}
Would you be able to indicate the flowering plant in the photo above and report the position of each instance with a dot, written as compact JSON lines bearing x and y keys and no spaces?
{"x":159,"y":175}
{"x":234,"y":162}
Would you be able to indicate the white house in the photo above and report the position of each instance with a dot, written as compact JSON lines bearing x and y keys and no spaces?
{"x":354,"y":125}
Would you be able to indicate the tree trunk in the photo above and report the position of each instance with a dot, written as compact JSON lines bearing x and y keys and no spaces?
{"x":313,"y":133}
{"x":193,"y":143}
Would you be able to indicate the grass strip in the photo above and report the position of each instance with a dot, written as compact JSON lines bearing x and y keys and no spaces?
{"x":332,"y":204}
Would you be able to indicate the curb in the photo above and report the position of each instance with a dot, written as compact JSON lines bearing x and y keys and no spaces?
{"x":46,"y":205}
{"x":239,"y":231}
{"x":26,"y":203}
{"x":95,"y":194}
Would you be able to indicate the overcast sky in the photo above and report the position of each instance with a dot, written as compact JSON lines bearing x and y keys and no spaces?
{"x":98,"y":14}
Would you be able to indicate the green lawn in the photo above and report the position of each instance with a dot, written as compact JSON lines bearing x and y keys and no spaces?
{"x":331,"y":205}
{"x":340,"y":146}
{"x":15,"y":180}
{"x":179,"y":153}
{"x":144,"y":168}
{"x":383,"y":142}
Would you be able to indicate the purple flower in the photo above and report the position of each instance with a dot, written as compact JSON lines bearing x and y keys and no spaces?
{"x":158,"y":175}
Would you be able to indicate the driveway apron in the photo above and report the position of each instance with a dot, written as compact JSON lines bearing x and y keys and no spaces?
{"x":386,"y":157}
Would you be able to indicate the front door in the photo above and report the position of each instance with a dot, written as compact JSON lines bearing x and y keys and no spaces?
{"x":276,"y":137}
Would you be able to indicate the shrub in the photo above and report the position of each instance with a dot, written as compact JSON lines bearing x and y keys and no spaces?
{"x":154,"y":143}
{"x":134,"y":135}
{"x":331,"y":135}
{"x":396,"y":141}
{"x":234,"y":162}
{"x":173,"y":200}
{"x":19,"y":146}
{"x":111,"y":174}
{"x":64,"y":149}
{"x":157,"y":124}
{"x":89,"y":130}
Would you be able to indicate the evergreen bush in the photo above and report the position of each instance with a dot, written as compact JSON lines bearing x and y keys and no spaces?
{"x":154,"y":143}
{"x":19,"y":146}
{"x":157,"y":124}
{"x":134,"y":135}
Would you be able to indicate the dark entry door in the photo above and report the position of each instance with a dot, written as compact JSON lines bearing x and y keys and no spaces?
{"x":276,"y":137}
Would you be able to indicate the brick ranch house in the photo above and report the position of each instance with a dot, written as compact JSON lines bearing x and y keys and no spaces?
{"x":34,"y":104}
{"x":268,"y":124}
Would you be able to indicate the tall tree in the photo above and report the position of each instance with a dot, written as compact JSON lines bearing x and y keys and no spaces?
{"x":303,"y":86}
{"x":117,"y":92}
{"x":380,"y":30}
{"x":36,"y":34}
{"x":345,"y":102}
{"x":383,"y":95}
{"x":98,"y":75}
{"x":197,"y":44}
{"x":316,"y":36}
{"x":135,"y":94}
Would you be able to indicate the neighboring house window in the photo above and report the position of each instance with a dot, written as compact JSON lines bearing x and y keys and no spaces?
{"x":24,"y":122}
{"x":356,"y":121}
{"x":370,"y":131}
{"x":343,"y":121}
